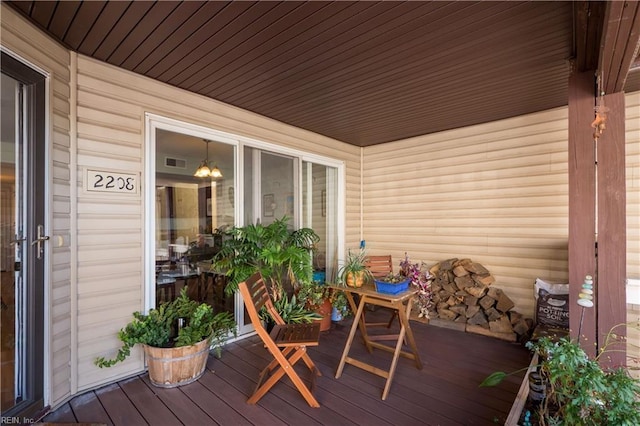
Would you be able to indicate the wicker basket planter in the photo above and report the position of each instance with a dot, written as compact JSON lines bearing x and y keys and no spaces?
{"x":171,"y":367}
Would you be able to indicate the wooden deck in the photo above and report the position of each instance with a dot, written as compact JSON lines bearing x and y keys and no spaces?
{"x":445,"y":392}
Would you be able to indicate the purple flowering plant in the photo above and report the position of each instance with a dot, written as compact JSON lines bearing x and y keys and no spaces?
{"x":420,"y":278}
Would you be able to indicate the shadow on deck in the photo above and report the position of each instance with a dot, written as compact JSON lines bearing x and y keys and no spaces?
{"x":444,"y":392}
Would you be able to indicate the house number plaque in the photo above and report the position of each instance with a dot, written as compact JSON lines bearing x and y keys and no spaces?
{"x":107,"y":181}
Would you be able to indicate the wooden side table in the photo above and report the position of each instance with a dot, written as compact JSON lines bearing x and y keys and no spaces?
{"x":402,"y":304}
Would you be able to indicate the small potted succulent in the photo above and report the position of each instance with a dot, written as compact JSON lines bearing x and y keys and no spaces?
{"x":392,"y":283}
{"x":340,"y":306}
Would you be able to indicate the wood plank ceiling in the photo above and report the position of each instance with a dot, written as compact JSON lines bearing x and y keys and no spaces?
{"x":361,"y":72}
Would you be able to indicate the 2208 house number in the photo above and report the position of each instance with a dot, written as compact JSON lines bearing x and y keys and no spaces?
{"x":102,"y":181}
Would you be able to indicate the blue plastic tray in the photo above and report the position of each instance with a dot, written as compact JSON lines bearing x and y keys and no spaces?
{"x":392,"y":288}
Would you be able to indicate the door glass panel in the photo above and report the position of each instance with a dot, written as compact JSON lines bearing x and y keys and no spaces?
{"x":319,"y":212}
{"x":21,"y":263}
{"x":190,"y":215}
{"x":277,"y":188}
{"x":270,"y":191}
{"x":11,"y":279}
{"x":270,"y":187}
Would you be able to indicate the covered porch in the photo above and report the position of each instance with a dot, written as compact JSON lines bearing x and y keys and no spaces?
{"x":467,"y":165}
{"x":444,"y":392}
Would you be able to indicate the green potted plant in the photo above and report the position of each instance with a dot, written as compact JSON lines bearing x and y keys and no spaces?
{"x":340,"y":306}
{"x":392,"y":283}
{"x":182,"y":328}
{"x":575,"y":389}
{"x":292,"y":310}
{"x":282,"y":256}
{"x":354,"y":272}
{"x":317,"y":298}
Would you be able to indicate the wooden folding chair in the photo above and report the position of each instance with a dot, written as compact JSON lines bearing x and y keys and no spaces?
{"x":380,"y":267}
{"x":286,"y":342}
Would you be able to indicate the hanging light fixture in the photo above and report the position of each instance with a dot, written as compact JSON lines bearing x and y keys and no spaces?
{"x":215,"y":172}
{"x":204,"y":170}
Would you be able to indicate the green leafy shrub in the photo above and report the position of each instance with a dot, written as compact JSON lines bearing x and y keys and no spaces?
{"x":341,"y":304}
{"x":578,"y":390}
{"x":159,"y":328}
{"x":291,"y":310}
{"x":281,"y":255}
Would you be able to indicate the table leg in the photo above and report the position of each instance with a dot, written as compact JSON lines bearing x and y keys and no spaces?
{"x":404,"y":320}
{"x":396,"y":355}
{"x":352,"y":333}
{"x":361,"y":322}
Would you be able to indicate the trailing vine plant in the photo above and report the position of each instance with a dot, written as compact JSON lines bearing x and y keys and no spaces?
{"x":420,"y":278}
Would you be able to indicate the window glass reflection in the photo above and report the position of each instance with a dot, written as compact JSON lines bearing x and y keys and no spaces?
{"x":191,"y":213}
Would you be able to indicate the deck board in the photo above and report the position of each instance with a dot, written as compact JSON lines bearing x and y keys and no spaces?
{"x":181,"y":406}
{"x":445,"y":392}
{"x":148,"y":403}
{"x":212,"y":405}
{"x":120,"y":408}
{"x":234,"y":398}
{"x":87,"y":408}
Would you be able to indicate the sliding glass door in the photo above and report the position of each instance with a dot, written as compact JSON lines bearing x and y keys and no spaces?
{"x":254,"y":183}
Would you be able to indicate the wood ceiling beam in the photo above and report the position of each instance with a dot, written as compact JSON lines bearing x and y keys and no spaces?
{"x":619,"y":45}
{"x":588,"y":20}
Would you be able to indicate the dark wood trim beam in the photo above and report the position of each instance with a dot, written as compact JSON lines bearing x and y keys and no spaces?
{"x":612,"y":231}
{"x":582,"y":205}
{"x":620,"y":43}
{"x":588,"y":17}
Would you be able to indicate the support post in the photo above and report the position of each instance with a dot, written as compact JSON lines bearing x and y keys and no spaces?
{"x":582,"y":205}
{"x":611,"y":303}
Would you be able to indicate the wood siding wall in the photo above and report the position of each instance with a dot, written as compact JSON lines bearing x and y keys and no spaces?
{"x":31,"y":45}
{"x":632,"y":129}
{"x":111,"y":108}
{"x":495,"y":193}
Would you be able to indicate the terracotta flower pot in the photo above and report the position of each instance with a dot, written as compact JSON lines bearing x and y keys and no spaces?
{"x":325,"y":311}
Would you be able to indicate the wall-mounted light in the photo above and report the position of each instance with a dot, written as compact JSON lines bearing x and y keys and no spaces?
{"x":204,"y":170}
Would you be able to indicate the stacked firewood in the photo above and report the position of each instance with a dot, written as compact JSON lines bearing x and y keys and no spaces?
{"x":464,"y":298}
